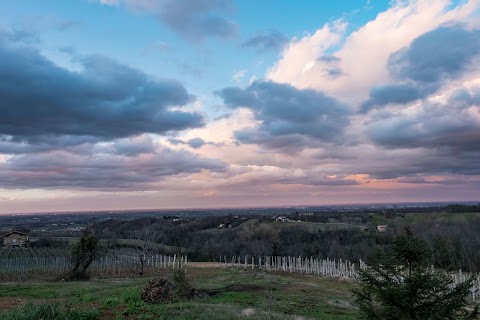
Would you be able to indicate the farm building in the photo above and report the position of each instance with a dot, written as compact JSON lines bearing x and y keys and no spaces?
{"x":382,"y":228}
{"x":15,"y":239}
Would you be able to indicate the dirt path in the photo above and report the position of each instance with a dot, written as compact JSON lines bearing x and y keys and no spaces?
{"x":204,"y":264}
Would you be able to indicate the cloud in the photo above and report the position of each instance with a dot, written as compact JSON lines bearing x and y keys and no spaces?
{"x":394,"y":94}
{"x":196,"y":143}
{"x":62,"y":169}
{"x":287,"y":113}
{"x":267,"y":41}
{"x":271,"y":175}
{"x":301,"y":54}
{"x":239,"y":75}
{"x":426,"y":63}
{"x":334,"y":72}
{"x":446,"y":51}
{"x":414,"y":179}
{"x":367,"y":162}
{"x":193,"y":20}
{"x":18,"y":34}
{"x":412,"y":73}
{"x":454,"y":124}
{"x":40,"y":101}
{"x":133,"y":146}
{"x":362,"y":57}
{"x":329,"y":59}
{"x":429,"y":137}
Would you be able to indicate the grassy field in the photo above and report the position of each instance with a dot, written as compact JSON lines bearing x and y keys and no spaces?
{"x":309,"y":226}
{"x":233,"y":294}
{"x":316,"y":226}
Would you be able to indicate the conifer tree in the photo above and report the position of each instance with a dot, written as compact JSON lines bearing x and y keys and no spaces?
{"x":83,"y":254}
{"x":402,"y":285}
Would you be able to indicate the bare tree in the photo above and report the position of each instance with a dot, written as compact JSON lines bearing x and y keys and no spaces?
{"x":146,"y":238}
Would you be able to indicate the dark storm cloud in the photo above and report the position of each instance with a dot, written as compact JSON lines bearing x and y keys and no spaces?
{"x":14,"y":145}
{"x":427,"y":162}
{"x":61,"y":169}
{"x":433,"y":138}
{"x":285,"y":143}
{"x":413,"y":179}
{"x":421,"y":180}
{"x":448,"y":125}
{"x":271,"y":41}
{"x":444,"y":53}
{"x":133,"y":147}
{"x":40,"y":101}
{"x":431,"y":164}
{"x":334,"y":72}
{"x":319,"y":180}
{"x":197,"y":19}
{"x":329,"y":59}
{"x":196,"y":143}
{"x":314,"y":180}
{"x":394,"y":94}
{"x":18,"y":35}
{"x":295,"y":116}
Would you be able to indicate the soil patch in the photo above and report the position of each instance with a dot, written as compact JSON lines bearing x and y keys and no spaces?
{"x":243,"y":287}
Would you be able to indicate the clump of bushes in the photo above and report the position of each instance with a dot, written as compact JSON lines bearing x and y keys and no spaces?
{"x":167,"y":290}
{"x":51,"y":311}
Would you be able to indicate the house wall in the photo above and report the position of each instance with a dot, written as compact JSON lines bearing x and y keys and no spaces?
{"x":14,"y":239}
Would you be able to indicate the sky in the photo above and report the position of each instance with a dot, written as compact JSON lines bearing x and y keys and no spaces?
{"x":136,"y":104}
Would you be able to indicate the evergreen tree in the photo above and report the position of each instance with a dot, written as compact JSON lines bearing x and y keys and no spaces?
{"x":83,"y":254}
{"x":402,"y":285}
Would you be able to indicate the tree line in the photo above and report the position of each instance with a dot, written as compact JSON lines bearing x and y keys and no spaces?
{"x":454,"y":243}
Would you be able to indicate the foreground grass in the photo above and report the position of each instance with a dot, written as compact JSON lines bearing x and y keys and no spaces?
{"x":234,"y":294}
{"x":50,"y":311}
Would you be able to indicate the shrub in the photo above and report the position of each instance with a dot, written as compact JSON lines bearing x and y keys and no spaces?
{"x":159,"y":291}
{"x":166,"y":290}
{"x":183,"y":287}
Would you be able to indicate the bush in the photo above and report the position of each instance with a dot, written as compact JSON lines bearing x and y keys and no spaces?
{"x":183,"y":287}
{"x":167,"y":290}
{"x":50,"y":311}
{"x":159,"y":291}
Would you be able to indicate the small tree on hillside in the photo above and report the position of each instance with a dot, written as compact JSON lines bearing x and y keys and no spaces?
{"x":146,"y":236}
{"x":83,"y":254}
{"x":402,"y":285}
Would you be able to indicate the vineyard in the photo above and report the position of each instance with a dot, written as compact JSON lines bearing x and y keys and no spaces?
{"x":52,"y":263}
{"x":327,"y":267}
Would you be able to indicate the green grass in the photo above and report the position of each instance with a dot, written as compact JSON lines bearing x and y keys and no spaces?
{"x":50,"y":311}
{"x":440,"y":217}
{"x":233,"y":294}
{"x":315,"y":226}
{"x":376,"y":220}
{"x":240,"y":226}
{"x":153,"y":245}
